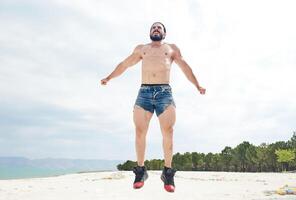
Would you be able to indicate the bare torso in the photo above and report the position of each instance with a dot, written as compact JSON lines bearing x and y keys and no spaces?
{"x":157,"y":58}
{"x":156,"y":63}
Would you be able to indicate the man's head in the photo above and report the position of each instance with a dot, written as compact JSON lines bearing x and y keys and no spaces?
{"x":157,"y":31}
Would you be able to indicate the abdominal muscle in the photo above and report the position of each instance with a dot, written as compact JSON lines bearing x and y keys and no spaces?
{"x":155,"y":77}
{"x":155,"y":72}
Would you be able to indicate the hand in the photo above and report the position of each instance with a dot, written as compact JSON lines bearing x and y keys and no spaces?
{"x":201,"y":90}
{"x":104,"y":81}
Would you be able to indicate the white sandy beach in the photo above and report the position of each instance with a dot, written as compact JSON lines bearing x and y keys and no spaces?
{"x":118,"y":186}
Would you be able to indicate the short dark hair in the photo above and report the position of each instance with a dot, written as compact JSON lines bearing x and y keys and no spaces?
{"x":164,"y":29}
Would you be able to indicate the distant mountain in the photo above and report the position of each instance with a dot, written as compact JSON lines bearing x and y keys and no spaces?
{"x":20,"y":167}
{"x":59,"y":163}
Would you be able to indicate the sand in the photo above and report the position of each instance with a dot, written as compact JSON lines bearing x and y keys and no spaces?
{"x":117,"y":185}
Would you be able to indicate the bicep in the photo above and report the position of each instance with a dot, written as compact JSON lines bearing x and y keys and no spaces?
{"x":131,"y":60}
{"x":134,"y":58}
{"x":178,"y":59}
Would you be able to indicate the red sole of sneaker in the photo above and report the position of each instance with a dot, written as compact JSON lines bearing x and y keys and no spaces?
{"x":138,"y":185}
{"x":169,"y":188}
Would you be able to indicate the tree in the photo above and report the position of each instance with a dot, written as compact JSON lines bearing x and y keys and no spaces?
{"x":156,"y":164}
{"x":285,"y":156}
{"x":252,"y":159}
{"x":208,"y":161}
{"x":262,"y":157}
{"x":177,"y":162}
{"x":273,"y":157}
{"x":128,"y":165}
{"x":187,"y":161}
{"x":198,"y":161}
{"x":240,"y":154}
{"x":183,"y":162}
{"x":292,"y":141}
{"x":195,"y":159}
{"x":273,"y":164}
{"x":226,"y":156}
{"x":119,"y":166}
{"x":216,"y":162}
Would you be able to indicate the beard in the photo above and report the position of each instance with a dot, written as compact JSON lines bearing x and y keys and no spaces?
{"x":156,"y":37}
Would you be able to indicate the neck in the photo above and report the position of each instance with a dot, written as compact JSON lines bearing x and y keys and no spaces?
{"x":156,"y":43}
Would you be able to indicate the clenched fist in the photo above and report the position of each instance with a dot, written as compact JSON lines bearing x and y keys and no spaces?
{"x":201,"y":90}
{"x":104,"y":81}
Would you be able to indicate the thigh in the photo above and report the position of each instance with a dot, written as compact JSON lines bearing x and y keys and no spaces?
{"x":141,"y":117}
{"x":167,"y":119}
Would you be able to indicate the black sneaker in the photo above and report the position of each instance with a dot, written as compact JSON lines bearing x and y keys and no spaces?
{"x":141,"y":176}
{"x":167,"y":177}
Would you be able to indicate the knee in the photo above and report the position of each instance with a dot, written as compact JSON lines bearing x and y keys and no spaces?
{"x":141,"y":131}
{"x":168,"y":130}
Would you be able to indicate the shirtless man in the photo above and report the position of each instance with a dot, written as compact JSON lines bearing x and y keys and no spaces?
{"x":155,"y":93}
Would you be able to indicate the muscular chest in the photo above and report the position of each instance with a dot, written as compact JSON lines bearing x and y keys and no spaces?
{"x":158,"y":54}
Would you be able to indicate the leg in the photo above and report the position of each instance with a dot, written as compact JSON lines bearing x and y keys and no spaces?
{"x":167,"y":120}
{"x":141,"y":121}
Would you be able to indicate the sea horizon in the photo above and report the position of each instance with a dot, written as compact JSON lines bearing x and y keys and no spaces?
{"x":21,"y":167}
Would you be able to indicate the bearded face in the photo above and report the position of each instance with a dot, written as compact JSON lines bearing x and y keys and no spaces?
{"x":157,"y":32}
{"x":156,"y":36}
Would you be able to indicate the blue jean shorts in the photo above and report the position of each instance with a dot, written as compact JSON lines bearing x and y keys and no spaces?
{"x":155,"y":97}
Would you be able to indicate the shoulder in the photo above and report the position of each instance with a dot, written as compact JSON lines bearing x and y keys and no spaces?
{"x":174,"y":47}
{"x":175,"y":51}
{"x":138,"y":48}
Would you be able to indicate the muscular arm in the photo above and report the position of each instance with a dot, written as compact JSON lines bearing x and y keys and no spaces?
{"x":131,"y":60}
{"x":177,"y":57}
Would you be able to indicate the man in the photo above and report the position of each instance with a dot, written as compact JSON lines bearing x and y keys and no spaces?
{"x":155,"y":94}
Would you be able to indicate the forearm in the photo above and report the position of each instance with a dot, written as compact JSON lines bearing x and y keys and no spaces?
{"x":191,"y":77}
{"x":117,"y":71}
{"x":189,"y":73}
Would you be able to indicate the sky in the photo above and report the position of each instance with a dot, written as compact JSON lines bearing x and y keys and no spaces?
{"x":53,"y":55}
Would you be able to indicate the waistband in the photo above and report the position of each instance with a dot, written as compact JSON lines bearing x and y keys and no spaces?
{"x":164,"y":84}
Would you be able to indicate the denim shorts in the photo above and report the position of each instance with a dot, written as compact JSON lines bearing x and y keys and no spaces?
{"x":155,"y":97}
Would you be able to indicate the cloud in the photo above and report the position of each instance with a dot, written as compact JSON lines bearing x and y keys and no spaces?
{"x":54,"y":53}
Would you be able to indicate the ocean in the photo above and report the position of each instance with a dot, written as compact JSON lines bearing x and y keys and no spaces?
{"x":20,"y":167}
{"x":31,"y":172}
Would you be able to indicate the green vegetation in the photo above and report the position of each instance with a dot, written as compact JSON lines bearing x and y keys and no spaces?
{"x":245,"y":157}
{"x":285,"y":156}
